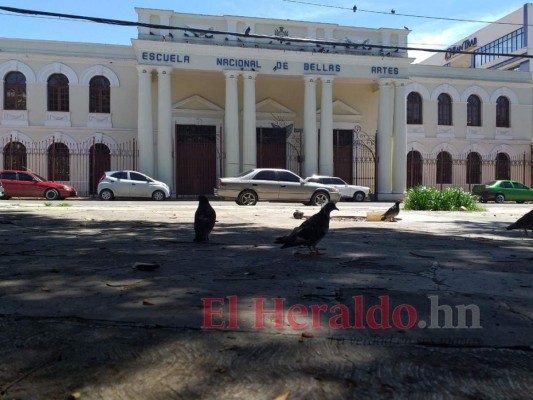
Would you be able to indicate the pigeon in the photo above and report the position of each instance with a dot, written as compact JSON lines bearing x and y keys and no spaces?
{"x":392,"y":212}
{"x":247,"y":31}
{"x":298,"y":214}
{"x":310,"y":232}
{"x":204,"y":220}
{"x":525,"y":222}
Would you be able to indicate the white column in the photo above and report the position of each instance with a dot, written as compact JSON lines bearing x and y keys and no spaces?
{"x":384,"y":140}
{"x":310,"y":133}
{"x":399,"y":156}
{"x":165,"y":142}
{"x":231,"y":126}
{"x":326,"y":127}
{"x":144,"y":121}
{"x":249,"y":139}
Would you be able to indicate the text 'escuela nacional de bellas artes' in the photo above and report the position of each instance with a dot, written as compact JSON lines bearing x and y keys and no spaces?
{"x":198,"y":97}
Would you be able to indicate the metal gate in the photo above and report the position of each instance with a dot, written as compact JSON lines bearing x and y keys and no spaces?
{"x":99,"y":162}
{"x":196,"y":159}
{"x":364,"y":160}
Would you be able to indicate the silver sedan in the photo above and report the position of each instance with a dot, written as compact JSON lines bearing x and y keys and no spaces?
{"x":267,"y":184}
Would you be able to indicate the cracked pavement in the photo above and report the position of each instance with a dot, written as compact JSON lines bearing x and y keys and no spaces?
{"x":75,"y":317}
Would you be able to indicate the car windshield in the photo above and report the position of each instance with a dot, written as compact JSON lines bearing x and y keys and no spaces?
{"x":39,"y":177}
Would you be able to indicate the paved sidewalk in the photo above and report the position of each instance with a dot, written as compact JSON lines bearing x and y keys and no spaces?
{"x":76,"y":317}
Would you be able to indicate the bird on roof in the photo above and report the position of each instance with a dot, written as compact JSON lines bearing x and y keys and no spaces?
{"x":525,"y":222}
{"x":247,"y":31}
{"x":310,"y":232}
{"x":204,"y":220}
{"x":392,"y":212}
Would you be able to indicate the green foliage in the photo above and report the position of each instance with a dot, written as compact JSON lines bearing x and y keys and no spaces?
{"x":433,"y":199}
{"x":48,"y":204}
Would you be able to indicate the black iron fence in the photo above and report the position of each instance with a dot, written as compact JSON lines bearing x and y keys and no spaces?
{"x":465,"y":170}
{"x":77,"y":164}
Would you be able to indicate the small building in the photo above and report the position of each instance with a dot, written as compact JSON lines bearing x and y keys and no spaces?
{"x":197,"y":97}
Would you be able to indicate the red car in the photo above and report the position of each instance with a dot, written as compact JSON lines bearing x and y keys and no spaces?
{"x":29,"y":184}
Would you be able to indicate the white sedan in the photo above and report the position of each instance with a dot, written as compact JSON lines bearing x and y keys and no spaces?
{"x":352,"y":192}
{"x":131,"y":184}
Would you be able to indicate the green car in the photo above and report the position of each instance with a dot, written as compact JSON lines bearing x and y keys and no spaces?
{"x":503,"y":190}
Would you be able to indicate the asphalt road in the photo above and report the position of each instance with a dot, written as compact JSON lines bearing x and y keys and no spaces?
{"x":436,"y":305}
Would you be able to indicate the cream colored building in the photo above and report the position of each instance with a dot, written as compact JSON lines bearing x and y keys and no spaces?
{"x":192,"y":104}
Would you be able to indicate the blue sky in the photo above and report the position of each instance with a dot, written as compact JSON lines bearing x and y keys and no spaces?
{"x":425,"y":32}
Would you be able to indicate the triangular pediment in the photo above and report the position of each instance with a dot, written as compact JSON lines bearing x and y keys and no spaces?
{"x":197,"y":103}
{"x":341,"y":108}
{"x":342,"y":112}
{"x":272,"y":107}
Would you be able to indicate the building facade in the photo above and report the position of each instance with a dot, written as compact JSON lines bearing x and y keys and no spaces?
{"x":198,"y":97}
{"x":510,"y":35}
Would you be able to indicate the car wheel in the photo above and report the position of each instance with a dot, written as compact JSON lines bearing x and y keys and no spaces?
{"x":247,"y":198}
{"x":358,"y":196}
{"x":319,"y":198}
{"x":51,"y":194}
{"x":500,"y":198}
{"x":158,"y":195}
{"x":5,"y":197}
{"x":106,"y":194}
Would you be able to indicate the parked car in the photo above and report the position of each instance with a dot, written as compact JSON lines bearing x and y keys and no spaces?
{"x":269,"y":184}
{"x":503,"y":190}
{"x":1,"y":190}
{"x":131,"y":184}
{"x":29,"y":184}
{"x":351,"y":192}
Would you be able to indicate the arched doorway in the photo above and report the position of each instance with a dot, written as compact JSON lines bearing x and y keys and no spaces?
{"x":15,"y":156}
{"x":503,"y":166}
{"x":99,"y":162}
{"x":414,"y":169}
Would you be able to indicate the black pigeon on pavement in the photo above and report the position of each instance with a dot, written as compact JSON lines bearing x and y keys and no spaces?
{"x":392,"y":212}
{"x":310,"y":232}
{"x":525,"y":222}
{"x":204,"y":220}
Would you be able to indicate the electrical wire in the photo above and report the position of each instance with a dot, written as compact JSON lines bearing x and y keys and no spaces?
{"x":395,"y":13}
{"x":286,"y":39}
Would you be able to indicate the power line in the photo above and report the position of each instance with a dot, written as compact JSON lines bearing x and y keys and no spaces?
{"x":395,"y":13}
{"x":365,"y":45}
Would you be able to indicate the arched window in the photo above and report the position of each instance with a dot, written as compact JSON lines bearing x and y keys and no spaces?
{"x":99,"y":95}
{"x":444,"y":109}
{"x":502,"y":112}
{"x":444,"y":168}
{"x":414,"y":108}
{"x":473,"y":168}
{"x":414,"y":169}
{"x":15,"y":91}
{"x":503,"y":166}
{"x":15,"y":156}
{"x":473,"y":111}
{"x":58,"y":162}
{"x":58,"y":93}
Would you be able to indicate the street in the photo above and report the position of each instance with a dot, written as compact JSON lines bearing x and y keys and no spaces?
{"x":435,"y":305}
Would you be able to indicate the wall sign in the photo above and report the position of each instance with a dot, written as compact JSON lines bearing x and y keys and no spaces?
{"x":468,"y":43}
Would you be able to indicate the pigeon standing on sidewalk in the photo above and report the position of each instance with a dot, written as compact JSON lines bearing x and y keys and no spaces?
{"x":525,"y":222}
{"x":392,"y":212}
{"x":204,"y":220}
{"x":310,"y":232}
